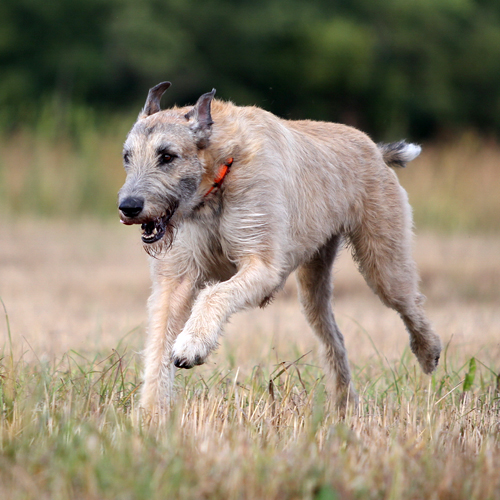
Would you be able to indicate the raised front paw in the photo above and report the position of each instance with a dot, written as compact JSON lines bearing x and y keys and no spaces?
{"x":182,"y":362}
{"x":188,"y":352}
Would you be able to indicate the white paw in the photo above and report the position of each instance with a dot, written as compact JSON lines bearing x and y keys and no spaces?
{"x":188,"y":351}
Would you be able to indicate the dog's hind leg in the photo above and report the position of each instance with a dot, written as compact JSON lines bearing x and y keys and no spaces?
{"x":315,"y":291}
{"x":382,"y":247}
{"x":169,"y":307}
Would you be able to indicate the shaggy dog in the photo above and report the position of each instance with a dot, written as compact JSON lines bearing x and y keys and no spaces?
{"x":231,"y":200}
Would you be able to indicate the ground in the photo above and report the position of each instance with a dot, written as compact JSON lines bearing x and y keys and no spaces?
{"x":84,"y":286}
{"x":254,"y":422}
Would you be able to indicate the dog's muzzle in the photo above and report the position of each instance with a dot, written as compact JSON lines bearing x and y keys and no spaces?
{"x":131,"y":207}
{"x":153,"y":228}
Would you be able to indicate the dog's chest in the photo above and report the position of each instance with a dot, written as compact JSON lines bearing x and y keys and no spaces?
{"x":207,"y":250}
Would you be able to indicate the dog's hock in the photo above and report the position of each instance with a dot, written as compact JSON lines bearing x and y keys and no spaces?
{"x":152,"y":105}
{"x":202,"y":119}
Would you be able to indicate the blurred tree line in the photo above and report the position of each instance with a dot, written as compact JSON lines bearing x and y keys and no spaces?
{"x":391,"y":67}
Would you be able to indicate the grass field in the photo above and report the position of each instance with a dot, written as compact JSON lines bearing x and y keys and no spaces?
{"x":255,"y":422}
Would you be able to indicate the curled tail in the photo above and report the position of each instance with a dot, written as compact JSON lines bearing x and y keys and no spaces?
{"x":398,"y":154}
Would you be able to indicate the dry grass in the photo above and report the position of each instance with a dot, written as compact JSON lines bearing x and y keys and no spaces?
{"x":57,"y":176}
{"x":255,"y":422}
{"x":453,"y":186}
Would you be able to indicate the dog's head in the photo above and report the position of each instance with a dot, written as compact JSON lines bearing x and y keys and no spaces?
{"x":163,"y":159}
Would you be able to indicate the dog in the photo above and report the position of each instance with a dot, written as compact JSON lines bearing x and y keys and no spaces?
{"x":231,"y":200}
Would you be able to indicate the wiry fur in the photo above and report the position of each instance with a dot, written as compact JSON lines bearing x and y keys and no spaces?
{"x":295,"y":191}
{"x":159,"y":248}
{"x":398,"y":154}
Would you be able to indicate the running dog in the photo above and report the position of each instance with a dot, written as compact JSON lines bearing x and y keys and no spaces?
{"x":231,"y":200}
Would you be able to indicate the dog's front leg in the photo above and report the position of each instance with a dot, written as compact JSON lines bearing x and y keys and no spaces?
{"x":169,"y":307}
{"x":216,"y":303}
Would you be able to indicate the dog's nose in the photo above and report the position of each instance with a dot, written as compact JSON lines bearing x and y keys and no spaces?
{"x":131,"y":207}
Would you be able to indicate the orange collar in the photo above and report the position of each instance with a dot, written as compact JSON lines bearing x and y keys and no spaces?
{"x":220,"y":178}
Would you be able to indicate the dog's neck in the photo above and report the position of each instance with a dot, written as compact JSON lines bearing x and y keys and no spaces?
{"x":224,"y":170}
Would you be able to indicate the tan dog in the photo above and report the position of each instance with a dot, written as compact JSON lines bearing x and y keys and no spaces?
{"x":240,"y":199}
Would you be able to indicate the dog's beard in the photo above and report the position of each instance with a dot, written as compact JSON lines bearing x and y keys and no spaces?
{"x":158,"y":233}
{"x":163,"y":244}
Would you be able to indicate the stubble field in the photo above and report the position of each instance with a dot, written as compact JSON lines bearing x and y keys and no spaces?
{"x":255,"y":422}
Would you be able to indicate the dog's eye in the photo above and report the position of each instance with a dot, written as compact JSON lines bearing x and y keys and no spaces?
{"x":126,"y":158}
{"x":166,"y":158}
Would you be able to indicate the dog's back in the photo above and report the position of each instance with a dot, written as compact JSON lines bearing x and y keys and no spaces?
{"x":303,"y":180}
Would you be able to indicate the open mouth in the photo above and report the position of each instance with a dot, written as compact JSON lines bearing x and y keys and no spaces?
{"x":154,"y":230}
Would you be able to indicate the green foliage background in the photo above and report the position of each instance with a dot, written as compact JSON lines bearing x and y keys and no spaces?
{"x":391,"y":67}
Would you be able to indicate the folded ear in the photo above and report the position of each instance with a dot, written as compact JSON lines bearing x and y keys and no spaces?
{"x":201,"y":119}
{"x":153,"y":101}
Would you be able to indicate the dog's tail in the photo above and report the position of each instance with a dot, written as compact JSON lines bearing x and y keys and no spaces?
{"x":398,"y":154}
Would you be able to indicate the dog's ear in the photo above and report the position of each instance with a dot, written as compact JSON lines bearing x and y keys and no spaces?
{"x":152,"y":105}
{"x":201,"y":119}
